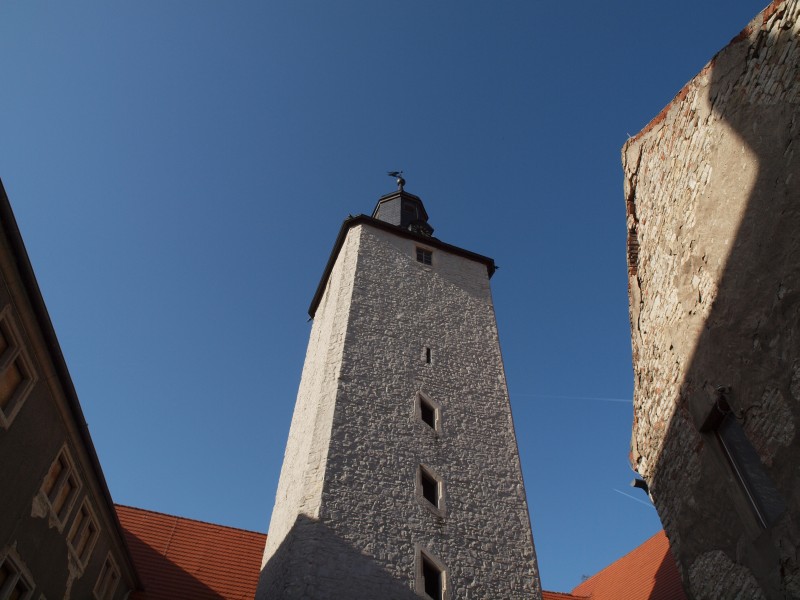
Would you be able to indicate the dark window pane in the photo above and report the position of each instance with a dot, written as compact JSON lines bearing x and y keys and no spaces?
{"x":430,"y":489}
{"x":427,"y":413}
{"x":432,"y":578}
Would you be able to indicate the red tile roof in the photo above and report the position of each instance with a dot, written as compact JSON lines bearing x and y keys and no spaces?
{"x":559,"y":596}
{"x":180,"y":558}
{"x":647,"y":573}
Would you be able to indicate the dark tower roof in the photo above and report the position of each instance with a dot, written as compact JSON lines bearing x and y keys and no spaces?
{"x":400,"y":213}
{"x":403,"y":210}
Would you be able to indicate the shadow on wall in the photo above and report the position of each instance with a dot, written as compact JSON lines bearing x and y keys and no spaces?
{"x":314,"y":562}
{"x":741,"y":388}
{"x":162,"y":578}
{"x":667,"y":581}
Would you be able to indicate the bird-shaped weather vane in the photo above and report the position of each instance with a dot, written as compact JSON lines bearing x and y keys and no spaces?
{"x":400,"y":181}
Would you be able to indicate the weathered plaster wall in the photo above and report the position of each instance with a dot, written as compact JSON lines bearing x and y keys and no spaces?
{"x":713,"y":214}
{"x":370,"y":520}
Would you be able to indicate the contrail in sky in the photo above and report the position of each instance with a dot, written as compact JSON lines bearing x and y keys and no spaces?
{"x":634,"y":498}
{"x":626,"y":401}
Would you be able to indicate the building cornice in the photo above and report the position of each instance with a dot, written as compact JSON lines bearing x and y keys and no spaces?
{"x":23,"y":264}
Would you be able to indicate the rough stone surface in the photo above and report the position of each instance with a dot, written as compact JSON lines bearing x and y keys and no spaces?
{"x":731,"y":581}
{"x":348,"y":520}
{"x":713,"y":211}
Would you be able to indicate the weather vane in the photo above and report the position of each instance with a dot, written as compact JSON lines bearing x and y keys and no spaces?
{"x":400,"y":181}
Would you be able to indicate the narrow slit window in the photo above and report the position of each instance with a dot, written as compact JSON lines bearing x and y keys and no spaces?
{"x":432,"y":579}
{"x":424,"y":256}
{"x":427,"y":355}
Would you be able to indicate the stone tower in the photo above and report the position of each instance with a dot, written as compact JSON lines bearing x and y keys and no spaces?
{"x":401,"y":477}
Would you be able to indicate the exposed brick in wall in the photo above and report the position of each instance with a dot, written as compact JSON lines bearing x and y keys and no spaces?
{"x":713,"y":212}
{"x":368,"y":523}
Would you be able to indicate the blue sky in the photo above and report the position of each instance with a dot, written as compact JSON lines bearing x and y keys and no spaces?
{"x":179,"y":171}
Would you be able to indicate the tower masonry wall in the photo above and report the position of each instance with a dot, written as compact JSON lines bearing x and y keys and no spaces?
{"x":372,"y":523}
{"x":300,"y":485}
{"x":713,"y":211}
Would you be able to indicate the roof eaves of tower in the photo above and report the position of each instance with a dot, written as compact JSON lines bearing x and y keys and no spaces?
{"x":22,"y":261}
{"x":365,"y":220}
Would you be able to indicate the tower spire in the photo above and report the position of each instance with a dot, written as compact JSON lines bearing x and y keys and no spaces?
{"x":403,"y":209}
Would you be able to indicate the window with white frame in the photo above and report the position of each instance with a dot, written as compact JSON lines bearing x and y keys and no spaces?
{"x":83,"y":535}
{"x":60,"y":486}
{"x":424,"y":256}
{"x":17,"y":376}
{"x":107,"y":580}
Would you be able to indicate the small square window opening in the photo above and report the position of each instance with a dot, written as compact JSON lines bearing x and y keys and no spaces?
{"x":430,"y":487}
{"x":427,"y":413}
{"x":431,"y":576}
{"x":431,"y":579}
{"x":424,"y":256}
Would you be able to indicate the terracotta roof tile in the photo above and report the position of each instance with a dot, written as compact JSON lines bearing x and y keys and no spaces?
{"x":181,"y":558}
{"x":559,"y":596}
{"x":647,"y":573}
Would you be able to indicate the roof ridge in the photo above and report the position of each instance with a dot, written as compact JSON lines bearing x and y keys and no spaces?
{"x":158,"y":512}
{"x":566,"y":595}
